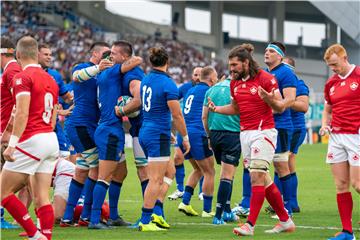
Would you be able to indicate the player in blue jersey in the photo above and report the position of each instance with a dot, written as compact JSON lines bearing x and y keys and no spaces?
{"x":45,"y":58}
{"x":159,"y":96}
{"x":287,"y":81}
{"x":298,"y":111}
{"x":178,"y":155}
{"x":200,"y":155}
{"x":110,"y":139}
{"x":80,"y":128}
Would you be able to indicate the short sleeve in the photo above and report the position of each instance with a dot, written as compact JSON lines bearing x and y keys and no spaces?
{"x":180,"y":90}
{"x":302,"y":89}
{"x":171,"y":91}
{"x":134,"y":74}
{"x":289,"y":79}
{"x":270,"y":83}
{"x":10,"y":76}
{"x":22,"y":85}
{"x":326,"y":94}
{"x":62,"y":88}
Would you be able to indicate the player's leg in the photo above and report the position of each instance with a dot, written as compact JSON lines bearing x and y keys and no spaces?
{"x":61,"y":194}
{"x":110,"y":143}
{"x":114,"y":193}
{"x":208,"y":171}
{"x":281,"y":165}
{"x":180,"y":170}
{"x":12,"y":204}
{"x":141,"y":164}
{"x":191,"y":182}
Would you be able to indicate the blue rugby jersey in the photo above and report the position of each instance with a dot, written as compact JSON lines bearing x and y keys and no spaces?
{"x":86,"y":110}
{"x":134,"y":74}
{"x":298,"y":118}
{"x":156,"y":89}
{"x":192,"y":109}
{"x":183,"y":89}
{"x":109,"y":83}
{"x":286,"y":78}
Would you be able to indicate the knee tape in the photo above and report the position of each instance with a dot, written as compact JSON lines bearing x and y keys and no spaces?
{"x":257,"y":165}
{"x":281,"y":157}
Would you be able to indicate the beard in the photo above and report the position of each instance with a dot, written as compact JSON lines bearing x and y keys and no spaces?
{"x":235,"y":75}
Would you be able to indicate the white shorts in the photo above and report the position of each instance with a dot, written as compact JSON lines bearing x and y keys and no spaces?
{"x":258,"y":144}
{"x":37,"y":154}
{"x":344,"y":147}
{"x":64,"y":172}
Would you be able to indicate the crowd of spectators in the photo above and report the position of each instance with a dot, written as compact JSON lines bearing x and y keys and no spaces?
{"x":70,"y":45}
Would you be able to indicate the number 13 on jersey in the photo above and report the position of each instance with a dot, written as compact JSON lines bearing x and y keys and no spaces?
{"x":146,"y":98}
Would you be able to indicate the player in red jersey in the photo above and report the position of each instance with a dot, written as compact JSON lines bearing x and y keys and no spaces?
{"x":33,"y":146}
{"x":10,"y":67}
{"x":341,"y":119}
{"x":255,"y":96}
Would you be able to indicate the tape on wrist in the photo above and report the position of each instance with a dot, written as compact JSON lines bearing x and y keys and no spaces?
{"x":13,"y":141}
{"x":185,"y":138}
{"x":121,"y":110}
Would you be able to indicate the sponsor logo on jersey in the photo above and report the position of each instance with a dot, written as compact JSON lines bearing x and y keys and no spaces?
{"x":330,"y":156}
{"x":256,"y":150}
{"x":354,"y":86}
{"x":273,"y":81}
{"x":332,"y":90}
{"x":342,"y":84}
{"x":356,"y":157}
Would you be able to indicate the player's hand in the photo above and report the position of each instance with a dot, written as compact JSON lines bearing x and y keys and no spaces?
{"x":4,"y":137}
{"x":266,"y":95}
{"x":172,"y":139}
{"x":211,"y":105}
{"x":118,"y":112}
{"x":209,"y":143}
{"x":186,"y":145}
{"x":8,"y":154}
{"x":324,"y":130}
{"x":104,"y":64}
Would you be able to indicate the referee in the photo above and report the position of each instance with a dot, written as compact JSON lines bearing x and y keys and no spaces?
{"x":224,"y":135}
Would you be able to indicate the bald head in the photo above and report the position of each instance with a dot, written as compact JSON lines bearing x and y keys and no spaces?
{"x":196,"y":74}
{"x":27,"y":49}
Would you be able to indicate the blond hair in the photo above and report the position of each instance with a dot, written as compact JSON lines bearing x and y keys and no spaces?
{"x":27,"y":47}
{"x":337,"y":49}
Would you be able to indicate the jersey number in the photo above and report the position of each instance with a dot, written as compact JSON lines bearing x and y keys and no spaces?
{"x":48,"y":106}
{"x":146,"y":101}
{"x":188,"y":103}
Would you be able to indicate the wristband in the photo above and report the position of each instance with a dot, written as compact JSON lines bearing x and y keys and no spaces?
{"x":13,"y":141}
{"x":185,"y":138}
{"x":121,"y":110}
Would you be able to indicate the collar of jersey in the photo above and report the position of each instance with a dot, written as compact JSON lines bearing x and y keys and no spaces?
{"x":32,"y":65}
{"x":348,"y":74}
{"x":203,"y":83}
{"x":278,"y":66}
{"x":161,"y":72}
{"x":11,"y":61}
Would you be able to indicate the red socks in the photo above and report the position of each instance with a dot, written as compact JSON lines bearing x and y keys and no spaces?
{"x":273,"y":196}
{"x":256,"y":202}
{"x":345,"y":206}
{"x":47,"y":218}
{"x":19,"y":213}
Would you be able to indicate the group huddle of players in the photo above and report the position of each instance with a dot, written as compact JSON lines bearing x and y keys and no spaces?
{"x":257,"y":113}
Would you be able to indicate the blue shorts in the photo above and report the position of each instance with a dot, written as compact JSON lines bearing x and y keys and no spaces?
{"x":226,"y":146}
{"x":297,"y":139}
{"x":81,"y":137}
{"x":200,"y":148}
{"x":156,"y":145}
{"x":283,"y":140}
{"x":110,"y":141}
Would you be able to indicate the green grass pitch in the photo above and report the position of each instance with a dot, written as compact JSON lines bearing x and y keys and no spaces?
{"x":318,"y":218}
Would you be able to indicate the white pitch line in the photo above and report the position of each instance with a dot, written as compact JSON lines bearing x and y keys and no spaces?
{"x":261,"y":225}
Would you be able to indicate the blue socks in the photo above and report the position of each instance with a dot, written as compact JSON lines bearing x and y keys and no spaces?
{"x":189,"y":191}
{"x":75,"y":190}
{"x":88,"y":192}
{"x":146,"y":215}
{"x":208,"y":203}
{"x":180,"y":176}
{"x":158,"y":208}
{"x":114,"y":194}
{"x":143,"y":186}
{"x":200,"y":184}
{"x":245,"y":201}
{"x":294,"y":187}
{"x":286,"y":185}
{"x":222,"y":196}
{"x":2,"y":213}
{"x":278,"y":183}
{"x":98,"y":200}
